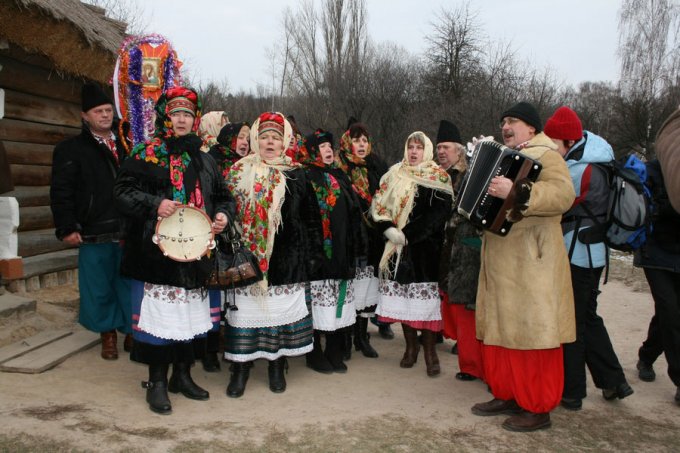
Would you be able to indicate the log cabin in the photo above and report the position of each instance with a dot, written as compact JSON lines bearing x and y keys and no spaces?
{"x":48,"y":49}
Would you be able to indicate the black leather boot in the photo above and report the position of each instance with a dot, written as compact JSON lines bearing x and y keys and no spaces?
{"x":361,"y":338}
{"x":211,"y":363}
{"x":157,"y":389}
{"x":347,"y":346}
{"x":181,"y":382}
{"x":316,"y":359}
{"x":240,"y":372}
{"x":277,"y":380}
{"x":385,"y":331}
{"x":333,"y":352}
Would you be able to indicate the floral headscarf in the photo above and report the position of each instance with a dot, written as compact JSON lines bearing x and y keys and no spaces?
{"x":167,"y":150}
{"x":353,"y":165}
{"x":211,"y":123}
{"x":259,"y":187}
{"x":394,"y":200}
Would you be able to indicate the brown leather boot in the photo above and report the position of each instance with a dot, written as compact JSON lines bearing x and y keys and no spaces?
{"x":430,"y":353}
{"x":527,"y":421}
{"x":109,"y":346}
{"x":412,"y":347}
{"x":496,"y":407}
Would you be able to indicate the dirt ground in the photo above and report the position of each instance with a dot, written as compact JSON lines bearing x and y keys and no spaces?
{"x":88,"y":404}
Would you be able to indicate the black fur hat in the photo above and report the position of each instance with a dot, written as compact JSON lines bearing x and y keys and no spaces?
{"x":93,"y":96}
{"x":448,"y":132}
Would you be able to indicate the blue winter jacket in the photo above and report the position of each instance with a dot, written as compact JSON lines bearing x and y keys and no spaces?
{"x":592,"y":190}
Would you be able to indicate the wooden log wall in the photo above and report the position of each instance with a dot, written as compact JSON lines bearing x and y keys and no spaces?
{"x":42,"y":108}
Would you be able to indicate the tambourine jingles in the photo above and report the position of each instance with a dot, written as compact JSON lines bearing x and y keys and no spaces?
{"x":186,"y":235}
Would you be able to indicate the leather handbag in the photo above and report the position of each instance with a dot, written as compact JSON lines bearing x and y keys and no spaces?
{"x":235,"y":266}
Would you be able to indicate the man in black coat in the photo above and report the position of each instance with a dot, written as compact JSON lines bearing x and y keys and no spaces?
{"x":660,"y":259}
{"x":84,"y":169}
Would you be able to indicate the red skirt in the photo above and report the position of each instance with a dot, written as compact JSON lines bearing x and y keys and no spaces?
{"x":533,"y":378}
{"x":459,"y":324}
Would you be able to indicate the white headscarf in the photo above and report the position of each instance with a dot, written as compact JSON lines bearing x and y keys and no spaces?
{"x":393,"y":202}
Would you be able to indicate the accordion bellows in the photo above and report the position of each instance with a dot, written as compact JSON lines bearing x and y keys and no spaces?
{"x":491,"y":159}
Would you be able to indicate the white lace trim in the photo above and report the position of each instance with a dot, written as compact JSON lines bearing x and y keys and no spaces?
{"x":411,"y":302}
{"x":268,"y":355}
{"x":366,"y":289}
{"x":174,"y":313}
{"x":282,"y":305}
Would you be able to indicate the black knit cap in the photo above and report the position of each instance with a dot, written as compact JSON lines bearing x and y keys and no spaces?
{"x":93,"y":96}
{"x":525,"y":112}
{"x":448,"y":132}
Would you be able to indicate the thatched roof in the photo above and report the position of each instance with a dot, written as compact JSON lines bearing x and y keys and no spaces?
{"x":76,"y":37}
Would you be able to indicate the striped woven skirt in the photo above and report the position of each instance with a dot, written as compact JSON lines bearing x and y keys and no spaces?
{"x":278,"y":324}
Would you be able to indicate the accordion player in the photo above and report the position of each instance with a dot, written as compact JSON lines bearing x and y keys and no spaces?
{"x":491,"y":159}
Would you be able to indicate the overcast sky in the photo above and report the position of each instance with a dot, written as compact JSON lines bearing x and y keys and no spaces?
{"x":228,"y":39}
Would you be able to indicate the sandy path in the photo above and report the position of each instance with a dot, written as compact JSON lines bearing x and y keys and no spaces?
{"x":90,"y":404}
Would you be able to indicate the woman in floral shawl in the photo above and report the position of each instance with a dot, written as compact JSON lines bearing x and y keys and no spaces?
{"x":169,"y":307}
{"x":411,"y":208}
{"x":279,"y":218}
{"x":364,"y":169}
{"x":331,"y":287}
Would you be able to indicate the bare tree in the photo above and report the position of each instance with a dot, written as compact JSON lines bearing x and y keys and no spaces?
{"x":454,"y":48}
{"x":649,"y":50}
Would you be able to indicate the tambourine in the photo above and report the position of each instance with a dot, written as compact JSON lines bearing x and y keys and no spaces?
{"x":186,"y":235}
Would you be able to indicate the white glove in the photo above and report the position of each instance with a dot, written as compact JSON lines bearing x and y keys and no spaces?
{"x":395,"y":236}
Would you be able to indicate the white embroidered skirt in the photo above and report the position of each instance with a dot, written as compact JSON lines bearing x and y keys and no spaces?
{"x":409,"y":302}
{"x":366,"y":292}
{"x":174,"y":313}
{"x":327,"y":315}
{"x":281,"y":305}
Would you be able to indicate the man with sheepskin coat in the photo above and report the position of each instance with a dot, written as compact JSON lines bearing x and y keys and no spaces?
{"x":525,"y":307}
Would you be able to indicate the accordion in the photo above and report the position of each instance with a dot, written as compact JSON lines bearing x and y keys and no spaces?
{"x":491,"y":159}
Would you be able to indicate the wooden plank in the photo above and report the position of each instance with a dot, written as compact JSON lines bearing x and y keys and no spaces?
{"x":32,"y":79}
{"x":30,"y":196}
{"x":30,"y":175}
{"x":11,"y":303}
{"x":26,"y":131}
{"x":29,"y":344}
{"x":37,"y":242}
{"x":28,"y":153}
{"x":28,"y":107}
{"x":53,"y":354}
{"x":35,"y":218}
{"x":50,"y":262}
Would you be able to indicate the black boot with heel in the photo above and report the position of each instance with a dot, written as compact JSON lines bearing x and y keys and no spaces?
{"x":361,"y":338}
{"x":240,"y":372}
{"x":334,"y":349}
{"x":157,"y":389}
{"x":181,"y":382}
{"x":277,"y":380}
{"x":316,"y":360}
